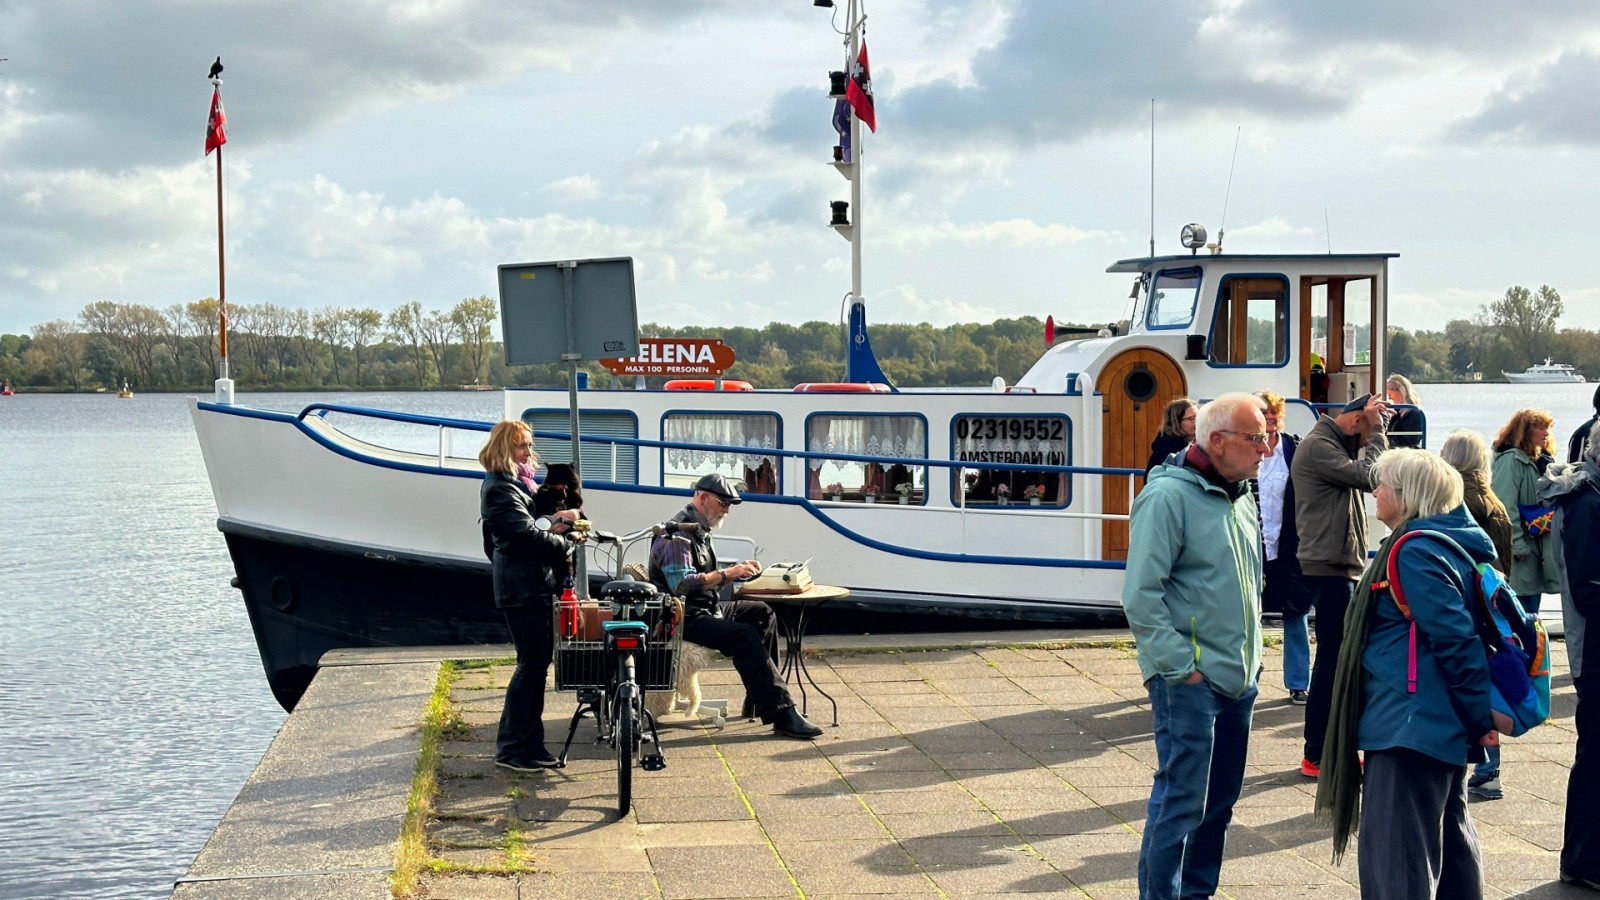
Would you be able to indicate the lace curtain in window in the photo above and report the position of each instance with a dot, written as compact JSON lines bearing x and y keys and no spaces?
{"x":899,"y":436}
{"x":755,"y":432}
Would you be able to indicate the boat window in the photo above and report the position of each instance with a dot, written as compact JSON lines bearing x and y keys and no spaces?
{"x":1358,"y":322}
{"x":1251,"y":323}
{"x":890,"y":438}
{"x":1172,"y":298}
{"x":758,"y":432}
{"x":599,"y":461}
{"x":1017,"y":440}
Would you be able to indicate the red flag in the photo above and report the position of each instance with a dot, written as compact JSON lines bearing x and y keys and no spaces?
{"x":860,"y":91}
{"x":215,"y":136}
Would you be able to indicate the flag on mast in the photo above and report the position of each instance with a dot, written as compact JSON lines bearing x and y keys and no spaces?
{"x":860,"y":91}
{"x":215,"y":135}
{"x":841,"y":124}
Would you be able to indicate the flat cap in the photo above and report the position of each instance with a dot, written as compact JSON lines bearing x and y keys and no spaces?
{"x":719,"y":485}
{"x":1356,"y":405}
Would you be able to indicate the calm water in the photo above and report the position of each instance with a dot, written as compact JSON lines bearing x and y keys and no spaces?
{"x":135,"y":704}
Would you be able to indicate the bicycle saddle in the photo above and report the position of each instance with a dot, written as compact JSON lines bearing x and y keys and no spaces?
{"x":626,"y":590}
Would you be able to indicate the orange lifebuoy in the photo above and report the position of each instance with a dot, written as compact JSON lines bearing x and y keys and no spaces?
{"x":706,"y":384}
{"x":842,"y":387}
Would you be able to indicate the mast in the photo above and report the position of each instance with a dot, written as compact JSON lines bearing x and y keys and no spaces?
{"x":854,"y":21}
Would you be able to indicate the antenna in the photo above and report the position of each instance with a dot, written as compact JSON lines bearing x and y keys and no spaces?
{"x":1152,"y":178}
{"x":1326,"y":233}
{"x":1222,"y":227}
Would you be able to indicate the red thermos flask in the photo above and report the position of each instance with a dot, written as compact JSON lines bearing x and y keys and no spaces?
{"x":569,"y":611}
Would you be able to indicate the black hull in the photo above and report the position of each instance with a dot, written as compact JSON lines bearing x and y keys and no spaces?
{"x":307,"y":596}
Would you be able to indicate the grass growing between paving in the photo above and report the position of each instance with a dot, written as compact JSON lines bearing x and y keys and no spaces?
{"x":442,"y":722}
{"x":439,"y":717}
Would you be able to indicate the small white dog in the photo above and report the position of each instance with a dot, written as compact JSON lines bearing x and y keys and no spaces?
{"x":686,"y":694}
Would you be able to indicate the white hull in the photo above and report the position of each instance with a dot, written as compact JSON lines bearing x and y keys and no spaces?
{"x":1524,"y":378}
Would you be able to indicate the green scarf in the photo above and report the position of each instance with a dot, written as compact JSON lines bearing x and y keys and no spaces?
{"x":1339,"y":785}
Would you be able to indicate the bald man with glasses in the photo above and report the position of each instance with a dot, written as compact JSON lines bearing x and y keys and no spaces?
{"x":743,"y":630}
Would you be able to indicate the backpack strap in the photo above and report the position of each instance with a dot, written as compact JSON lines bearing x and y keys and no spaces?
{"x":1399,"y":595}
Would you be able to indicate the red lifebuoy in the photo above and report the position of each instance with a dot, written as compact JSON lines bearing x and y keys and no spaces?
{"x":706,"y":384}
{"x":842,"y":387}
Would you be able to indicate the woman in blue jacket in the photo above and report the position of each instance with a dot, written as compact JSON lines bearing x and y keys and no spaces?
{"x":530,"y":567}
{"x":1419,"y":731}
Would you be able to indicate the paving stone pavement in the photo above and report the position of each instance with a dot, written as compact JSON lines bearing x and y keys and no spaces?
{"x":958,"y":774}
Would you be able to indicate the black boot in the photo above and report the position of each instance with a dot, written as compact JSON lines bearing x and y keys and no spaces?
{"x":748,"y":711}
{"x":788,"y":722}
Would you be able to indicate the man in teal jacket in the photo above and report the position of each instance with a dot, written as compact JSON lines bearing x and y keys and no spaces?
{"x":1192,"y":595}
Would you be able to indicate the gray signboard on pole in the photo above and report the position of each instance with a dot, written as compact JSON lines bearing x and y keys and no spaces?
{"x":569,"y":311}
{"x":534,"y":298}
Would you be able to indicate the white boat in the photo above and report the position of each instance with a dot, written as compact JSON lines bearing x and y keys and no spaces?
{"x":1548,"y":373}
{"x":339,"y":541}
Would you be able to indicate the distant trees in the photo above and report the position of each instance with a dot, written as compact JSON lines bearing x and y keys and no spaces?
{"x":413,"y":346}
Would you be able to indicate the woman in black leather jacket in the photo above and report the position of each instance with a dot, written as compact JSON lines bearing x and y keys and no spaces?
{"x":530,"y":566}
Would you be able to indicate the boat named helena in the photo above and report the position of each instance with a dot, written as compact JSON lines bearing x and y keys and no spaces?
{"x":1007,"y":503}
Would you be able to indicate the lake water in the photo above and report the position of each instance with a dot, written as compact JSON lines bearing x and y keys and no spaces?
{"x":135,"y":703}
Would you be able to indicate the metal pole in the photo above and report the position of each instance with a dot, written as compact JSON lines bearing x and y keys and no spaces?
{"x":580,"y":563}
{"x":856,"y":170}
{"x":222,"y":269}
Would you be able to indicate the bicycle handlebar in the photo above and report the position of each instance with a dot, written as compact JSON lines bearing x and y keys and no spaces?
{"x":606,"y":537}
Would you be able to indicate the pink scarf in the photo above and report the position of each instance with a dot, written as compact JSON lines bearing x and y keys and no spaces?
{"x":525,"y":472}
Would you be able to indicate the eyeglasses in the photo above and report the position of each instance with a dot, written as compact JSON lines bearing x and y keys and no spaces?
{"x":725,"y":504}
{"x":1259,"y":438}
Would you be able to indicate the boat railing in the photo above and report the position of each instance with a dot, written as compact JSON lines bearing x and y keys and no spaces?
{"x":441,"y":424}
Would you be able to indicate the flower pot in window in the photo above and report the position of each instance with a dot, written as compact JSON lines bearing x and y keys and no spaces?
{"x":870,"y":498}
{"x":836,"y":497}
{"x":904,"y":501}
{"x":1033,"y":501}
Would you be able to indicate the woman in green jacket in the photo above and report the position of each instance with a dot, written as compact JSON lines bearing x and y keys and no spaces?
{"x":1521,"y":451}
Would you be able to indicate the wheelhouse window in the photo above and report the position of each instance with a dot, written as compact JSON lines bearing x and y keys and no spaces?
{"x":598,"y":461}
{"x":887,"y":481}
{"x":1251,"y":325}
{"x":756,"y":466}
{"x":1041,"y":440}
{"x":1173,"y":297}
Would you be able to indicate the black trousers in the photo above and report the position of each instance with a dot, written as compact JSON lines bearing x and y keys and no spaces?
{"x":1580,"y":845}
{"x":522,"y":719}
{"x":1416,"y":841}
{"x":746,"y":633}
{"x":1331,"y":595}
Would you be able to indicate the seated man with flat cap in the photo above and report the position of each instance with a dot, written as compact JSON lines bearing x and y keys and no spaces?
{"x":742,"y":630}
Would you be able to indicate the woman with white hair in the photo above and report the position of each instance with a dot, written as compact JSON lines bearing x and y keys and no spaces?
{"x":1412,"y":692}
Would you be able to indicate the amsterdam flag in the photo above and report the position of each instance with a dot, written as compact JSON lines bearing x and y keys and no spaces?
{"x":215,"y":136}
{"x":860,"y":91}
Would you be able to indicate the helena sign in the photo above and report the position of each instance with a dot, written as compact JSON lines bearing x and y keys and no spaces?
{"x":707,"y":357}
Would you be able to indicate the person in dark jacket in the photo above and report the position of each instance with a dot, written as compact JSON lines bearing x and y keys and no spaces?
{"x":1574,"y":490}
{"x":743,"y":630}
{"x":1406,"y":425}
{"x":529,"y":561}
{"x":1283,"y":590}
{"x":1332,"y":469}
{"x":1416,"y":837}
{"x":1468,"y":453}
{"x":1580,"y":438}
{"x":1177,"y":431}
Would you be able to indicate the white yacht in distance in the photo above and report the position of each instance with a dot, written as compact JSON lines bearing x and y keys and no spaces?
{"x":1548,"y":373}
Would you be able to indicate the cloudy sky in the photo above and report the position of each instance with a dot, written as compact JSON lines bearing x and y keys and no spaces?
{"x":381,"y":152}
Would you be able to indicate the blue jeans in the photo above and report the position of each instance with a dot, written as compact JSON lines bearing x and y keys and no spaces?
{"x":1296,"y":654}
{"x":1490,"y":766}
{"x":1201,"y":741}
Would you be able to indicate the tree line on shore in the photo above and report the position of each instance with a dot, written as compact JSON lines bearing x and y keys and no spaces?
{"x":412,"y":348}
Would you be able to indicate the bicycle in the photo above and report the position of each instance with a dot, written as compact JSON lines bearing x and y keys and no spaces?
{"x":613,"y":667}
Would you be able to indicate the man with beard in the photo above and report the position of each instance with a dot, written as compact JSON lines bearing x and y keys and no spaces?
{"x":742,"y":630}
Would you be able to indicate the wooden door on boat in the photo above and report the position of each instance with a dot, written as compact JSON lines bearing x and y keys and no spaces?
{"x":1136,"y":387}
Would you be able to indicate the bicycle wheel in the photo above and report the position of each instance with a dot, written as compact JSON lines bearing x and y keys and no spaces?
{"x":626,"y":735}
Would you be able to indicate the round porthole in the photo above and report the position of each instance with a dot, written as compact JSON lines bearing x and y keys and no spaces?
{"x":281,"y":594}
{"x":1140,"y":385}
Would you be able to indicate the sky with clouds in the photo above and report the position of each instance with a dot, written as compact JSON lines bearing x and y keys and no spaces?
{"x":381,"y":152}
